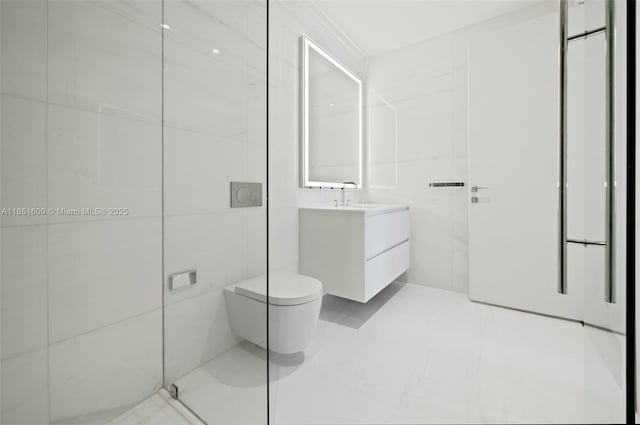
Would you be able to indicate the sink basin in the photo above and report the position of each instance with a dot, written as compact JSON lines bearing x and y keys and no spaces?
{"x":361,"y":206}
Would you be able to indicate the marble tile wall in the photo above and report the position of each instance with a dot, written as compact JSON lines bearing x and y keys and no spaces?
{"x":417,"y":134}
{"x":81,"y":301}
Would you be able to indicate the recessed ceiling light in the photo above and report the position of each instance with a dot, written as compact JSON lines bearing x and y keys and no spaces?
{"x":215,"y":51}
{"x":166,"y":26}
{"x":331,"y":104}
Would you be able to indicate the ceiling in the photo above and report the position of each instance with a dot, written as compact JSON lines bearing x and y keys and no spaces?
{"x":378,"y":26}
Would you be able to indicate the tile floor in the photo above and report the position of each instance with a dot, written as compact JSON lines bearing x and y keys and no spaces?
{"x":159,"y":409}
{"x":412,"y":355}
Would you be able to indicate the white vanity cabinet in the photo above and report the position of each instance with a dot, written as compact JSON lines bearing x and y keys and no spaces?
{"x":354,"y":251}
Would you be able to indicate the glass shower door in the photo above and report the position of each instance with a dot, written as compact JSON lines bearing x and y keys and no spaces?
{"x":214,"y":115}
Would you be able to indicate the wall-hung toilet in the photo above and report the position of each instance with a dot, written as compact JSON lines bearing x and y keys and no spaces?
{"x":294,"y":310}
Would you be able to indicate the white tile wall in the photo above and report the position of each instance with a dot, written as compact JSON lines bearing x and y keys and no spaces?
{"x":425,"y":85}
{"x":23,"y":31}
{"x":283,"y":104}
{"x":205,"y":165}
{"x":283,"y":178}
{"x":81,"y":296}
{"x":283,"y":237}
{"x":24,"y":157}
{"x":213,"y":244}
{"x":219,"y":23}
{"x":101,"y":273}
{"x":257,"y":93}
{"x":203,"y":93}
{"x":98,"y":160}
{"x":24,"y":379}
{"x":24,"y":289}
{"x":25,"y":392}
{"x":102,"y":61}
{"x":197,"y":330}
{"x":256,"y":242}
{"x":103,"y":371}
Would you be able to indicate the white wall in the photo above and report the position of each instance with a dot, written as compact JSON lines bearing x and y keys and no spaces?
{"x":421,"y":90}
{"x":81,"y":300}
{"x":289,"y":20}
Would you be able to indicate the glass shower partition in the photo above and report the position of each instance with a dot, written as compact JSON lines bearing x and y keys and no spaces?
{"x":214,"y":133}
{"x":596,"y":168}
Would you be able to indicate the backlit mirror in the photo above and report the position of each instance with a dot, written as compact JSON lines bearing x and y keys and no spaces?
{"x":331,"y":120}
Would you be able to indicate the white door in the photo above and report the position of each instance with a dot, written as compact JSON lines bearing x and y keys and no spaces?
{"x":513,"y":158}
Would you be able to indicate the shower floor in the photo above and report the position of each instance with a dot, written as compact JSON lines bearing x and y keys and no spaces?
{"x":415,"y":354}
{"x":159,"y":409}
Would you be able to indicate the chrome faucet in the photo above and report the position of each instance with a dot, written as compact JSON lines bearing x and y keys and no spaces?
{"x":342,"y":203}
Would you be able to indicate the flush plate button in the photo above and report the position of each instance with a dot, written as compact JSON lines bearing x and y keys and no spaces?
{"x":242,"y":195}
{"x":245,"y":195}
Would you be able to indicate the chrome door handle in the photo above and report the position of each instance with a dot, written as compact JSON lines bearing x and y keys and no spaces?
{"x":477,"y":188}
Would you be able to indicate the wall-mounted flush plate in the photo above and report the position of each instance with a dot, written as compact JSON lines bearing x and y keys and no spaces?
{"x":245,"y":195}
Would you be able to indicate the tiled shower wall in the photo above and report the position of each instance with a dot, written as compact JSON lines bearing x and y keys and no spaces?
{"x":81,"y":127}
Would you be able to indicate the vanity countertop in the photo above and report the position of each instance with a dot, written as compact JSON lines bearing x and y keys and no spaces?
{"x":366,"y":209}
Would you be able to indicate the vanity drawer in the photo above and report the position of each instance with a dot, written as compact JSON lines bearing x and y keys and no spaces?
{"x":385,"y":231}
{"x":386,"y":267}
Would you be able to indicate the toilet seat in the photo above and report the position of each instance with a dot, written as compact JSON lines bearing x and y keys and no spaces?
{"x":284,"y":288}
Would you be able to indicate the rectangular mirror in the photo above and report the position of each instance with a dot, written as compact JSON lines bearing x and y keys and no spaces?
{"x":331,"y":121}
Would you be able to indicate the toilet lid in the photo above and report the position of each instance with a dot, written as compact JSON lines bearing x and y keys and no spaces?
{"x":284,"y":288}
